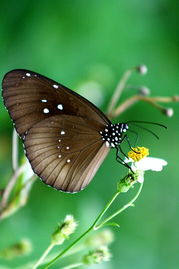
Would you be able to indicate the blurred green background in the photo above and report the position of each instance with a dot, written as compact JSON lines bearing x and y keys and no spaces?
{"x":78,"y":42}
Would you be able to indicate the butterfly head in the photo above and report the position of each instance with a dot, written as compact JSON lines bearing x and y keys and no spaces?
{"x":113,"y":134}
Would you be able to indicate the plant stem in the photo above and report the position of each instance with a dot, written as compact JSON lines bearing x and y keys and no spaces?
{"x":75,"y":265}
{"x":105,"y":209}
{"x":151,"y":100}
{"x":46,"y":252}
{"x":14,"y":150}
{"x":10,"y":186}
{"x":118,"y":90}
{"x":130,"y":203}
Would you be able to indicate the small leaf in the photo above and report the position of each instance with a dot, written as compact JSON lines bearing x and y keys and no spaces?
{"x":114,"y":224}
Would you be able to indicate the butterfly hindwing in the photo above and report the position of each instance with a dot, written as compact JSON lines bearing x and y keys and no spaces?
{"x":65,"y":151}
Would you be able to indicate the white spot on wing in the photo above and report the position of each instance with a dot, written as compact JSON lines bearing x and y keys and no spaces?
{"x":59,"y":156}
{"x":62,"y":132}
{"x":46,"y":110}
{"x":55,"y":86}
{"x":28,"y":74}
{"x":68,"y":161}
{"x":44,"y":101}
{"x":107,"y":144}
{"x":67,"y":147}
{"x":60,"y":106}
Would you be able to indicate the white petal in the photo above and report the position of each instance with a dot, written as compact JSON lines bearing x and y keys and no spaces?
{"x":150,"y":163}
{"x":141,"y":178}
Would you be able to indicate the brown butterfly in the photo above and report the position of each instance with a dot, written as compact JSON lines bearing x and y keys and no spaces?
{"x":66,"y":137}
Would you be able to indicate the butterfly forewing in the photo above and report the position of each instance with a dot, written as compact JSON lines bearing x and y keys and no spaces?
{"x":66,"y":153}
{"x":31,"y":98}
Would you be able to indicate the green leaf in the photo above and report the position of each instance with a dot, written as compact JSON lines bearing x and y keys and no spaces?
{"x":114,"y":224}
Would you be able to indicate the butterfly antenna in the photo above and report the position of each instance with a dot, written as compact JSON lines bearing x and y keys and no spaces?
{"x":137,"y":135}
{"x":147,"y":122}
{"x":146,"y":129}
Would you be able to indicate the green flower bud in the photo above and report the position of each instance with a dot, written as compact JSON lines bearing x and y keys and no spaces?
{"x":126,"y":183}
{"x":104,"y":237}
{"x":19,"y":249}
{"x":97,"y":256}
{"x":64,"y":230}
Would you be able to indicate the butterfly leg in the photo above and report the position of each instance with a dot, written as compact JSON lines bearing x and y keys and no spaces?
{"x":121,"y":161}
{"x":127,"y":138}
{"x":122,"y":152}
{"x":124,"y":137}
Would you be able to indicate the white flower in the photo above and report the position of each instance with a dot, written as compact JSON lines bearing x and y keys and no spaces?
{"x":149,"y":163}
{"x":145,"y":164}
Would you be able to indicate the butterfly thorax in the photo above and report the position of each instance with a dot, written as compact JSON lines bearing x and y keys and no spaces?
{"x":113,"y":134}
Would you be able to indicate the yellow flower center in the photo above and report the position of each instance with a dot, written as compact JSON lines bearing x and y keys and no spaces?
{"x":138,"y":153}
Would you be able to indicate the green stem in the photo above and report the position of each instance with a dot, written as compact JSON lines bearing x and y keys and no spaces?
{"x":75,"y":265}
{"x":46,"y":252}
{"x":130,"y":203}
{"x":74,"y":250}
{"x":105,"y":209}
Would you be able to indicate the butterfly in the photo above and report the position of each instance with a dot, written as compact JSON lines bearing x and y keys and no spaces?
{"x":66,"y":137}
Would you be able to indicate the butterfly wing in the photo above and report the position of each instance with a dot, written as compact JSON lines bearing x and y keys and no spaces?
{"x":65,"y":151}
{"x":31,"y":98}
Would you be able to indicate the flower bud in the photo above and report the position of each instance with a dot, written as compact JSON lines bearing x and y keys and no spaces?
{"x":144,"y":91}
{"x":142,"y":69}
{"x":104,"y":237}
{"x":21,"y":248}
{"x":168,"y":112}
{"x":97,"y":256}
{"x":64,"y":230}
{"x":126,"y":183}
